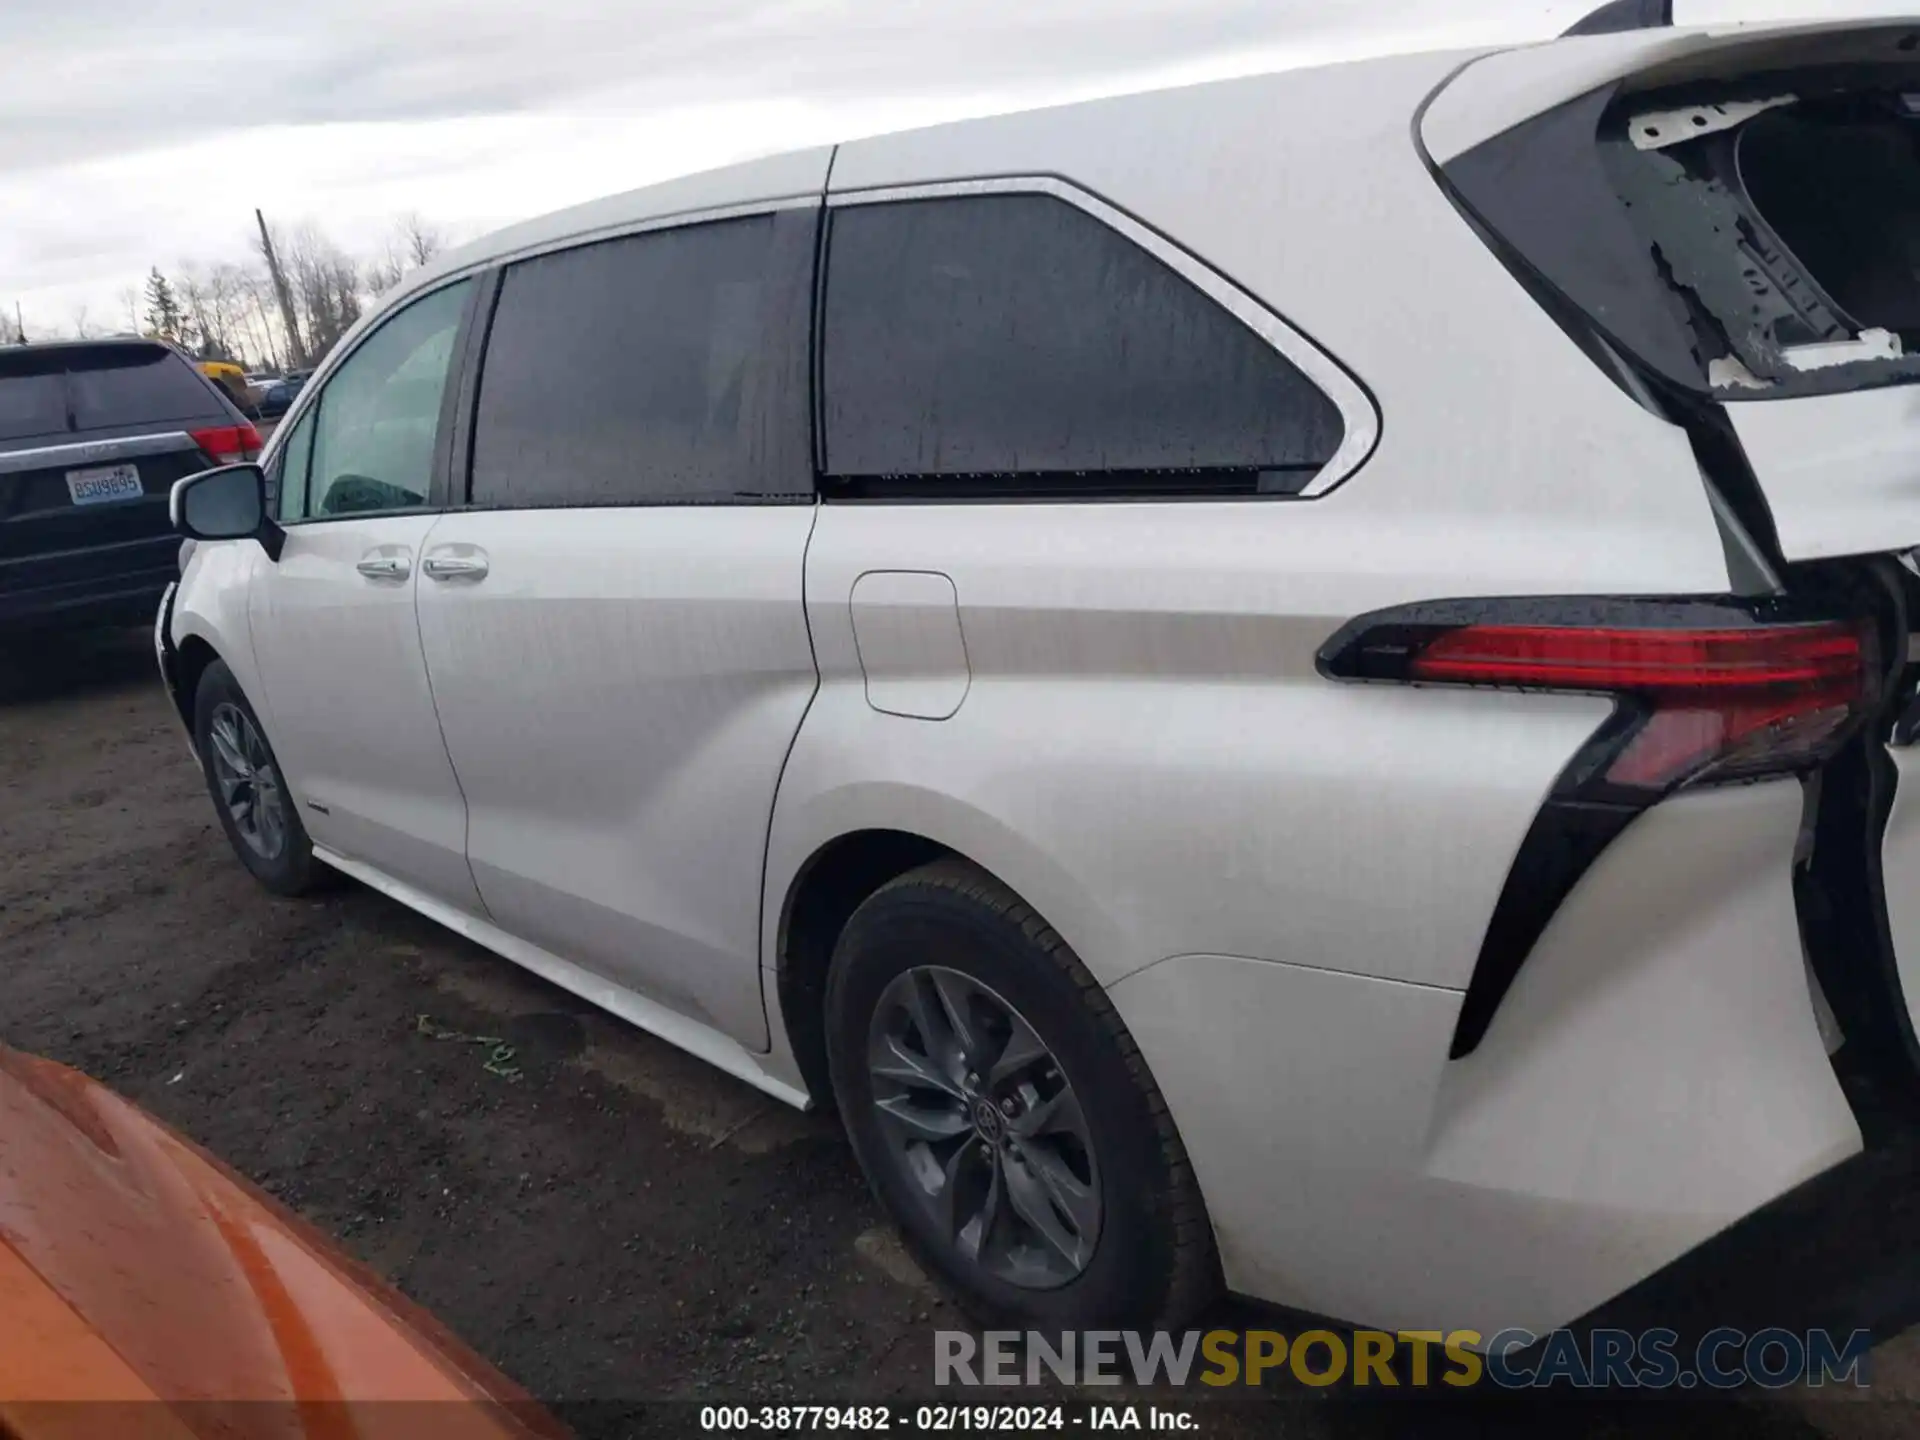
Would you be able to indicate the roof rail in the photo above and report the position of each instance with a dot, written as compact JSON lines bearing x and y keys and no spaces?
{"x":1618,"y":16}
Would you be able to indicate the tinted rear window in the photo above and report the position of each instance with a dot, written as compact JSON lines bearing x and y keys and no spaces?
{"x":1017,"y":335}
{"x":138,"y":387}
{"x":53,"y":392}
{"x":32,"y":405}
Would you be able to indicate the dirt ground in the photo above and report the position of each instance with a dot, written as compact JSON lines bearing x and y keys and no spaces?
{"x":604,"y":1218}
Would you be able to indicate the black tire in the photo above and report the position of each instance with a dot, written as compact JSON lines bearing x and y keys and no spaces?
{"x":288,"y":868}
{"x":1153,"y":1263}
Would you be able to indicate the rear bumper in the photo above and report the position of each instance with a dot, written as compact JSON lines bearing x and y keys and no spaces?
{"x":1656,"y":1075}
{"x":107,"y":585}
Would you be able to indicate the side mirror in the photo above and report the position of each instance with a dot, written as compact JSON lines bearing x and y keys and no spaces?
{"x":229,"y":503}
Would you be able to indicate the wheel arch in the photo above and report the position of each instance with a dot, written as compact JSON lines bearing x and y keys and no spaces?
{"x":868,"y":836}
{"x":194,"y":653}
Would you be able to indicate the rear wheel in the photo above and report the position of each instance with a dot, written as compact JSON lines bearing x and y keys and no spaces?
{"x":249,"y":793}
{"x":1004,"y":1116}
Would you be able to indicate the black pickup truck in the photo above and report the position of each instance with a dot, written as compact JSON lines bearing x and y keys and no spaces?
{"x":92,"y":436}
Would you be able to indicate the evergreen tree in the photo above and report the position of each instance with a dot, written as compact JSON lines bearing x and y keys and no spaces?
{"x":164,"y":316}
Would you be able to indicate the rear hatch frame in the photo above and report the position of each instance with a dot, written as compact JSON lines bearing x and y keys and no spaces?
{"x":1816,"y":467}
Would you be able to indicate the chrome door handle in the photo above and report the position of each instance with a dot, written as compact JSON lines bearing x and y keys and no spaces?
{"x":456,"y":565}
{"x":384,"y":567}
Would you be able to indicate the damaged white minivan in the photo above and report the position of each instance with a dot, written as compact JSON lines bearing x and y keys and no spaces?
{"x":1298,"y":685}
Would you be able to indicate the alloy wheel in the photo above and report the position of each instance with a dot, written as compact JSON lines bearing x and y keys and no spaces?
{"x":983,"y":1125}
{"x":248,"y":782}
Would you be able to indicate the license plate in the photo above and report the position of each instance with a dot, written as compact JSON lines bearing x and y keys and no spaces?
{"x":103,"y":483}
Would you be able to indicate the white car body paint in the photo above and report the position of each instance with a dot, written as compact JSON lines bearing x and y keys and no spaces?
{"x":1841,"y":472}
{"x":618,"y":697}
{"x":1655,"y":1074}
{"x":340,"y":660}
{"x":1114,"y":708}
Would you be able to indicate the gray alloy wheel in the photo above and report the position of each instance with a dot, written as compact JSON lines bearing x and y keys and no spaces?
{"x":985,"y":1128}
{"x":248,"y":784}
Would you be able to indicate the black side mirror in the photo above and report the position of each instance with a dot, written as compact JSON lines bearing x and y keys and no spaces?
{"x":229,"y":503}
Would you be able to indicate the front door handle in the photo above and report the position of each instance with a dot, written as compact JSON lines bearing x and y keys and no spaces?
{"x":386,"y":563}
{"x":457,"y":562}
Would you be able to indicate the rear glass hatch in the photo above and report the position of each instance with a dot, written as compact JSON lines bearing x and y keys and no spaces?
{"x":92,"y":438}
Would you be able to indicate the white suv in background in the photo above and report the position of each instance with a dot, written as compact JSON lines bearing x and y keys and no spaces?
{"x":1297,"y":683}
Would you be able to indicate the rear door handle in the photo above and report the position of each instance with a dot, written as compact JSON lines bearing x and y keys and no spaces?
{"x":388,"y":562}
{"x":456,"y":562}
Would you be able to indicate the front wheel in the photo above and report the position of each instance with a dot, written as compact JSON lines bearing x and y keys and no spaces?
{"x":1004,"y":1116}
{"x":249,"y":793}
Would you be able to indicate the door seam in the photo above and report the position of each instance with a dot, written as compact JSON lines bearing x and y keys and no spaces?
{"x":779,"y":780}
{"x":426,"y":669}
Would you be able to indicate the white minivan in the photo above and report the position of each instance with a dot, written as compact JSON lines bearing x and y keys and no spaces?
{"x":1299,"y":684}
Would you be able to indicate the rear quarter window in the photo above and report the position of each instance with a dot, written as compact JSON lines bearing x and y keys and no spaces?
{"x":1017,"y":338}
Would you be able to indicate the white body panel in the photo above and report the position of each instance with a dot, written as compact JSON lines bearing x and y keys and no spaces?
{"x":618,"y":695}
{"x":353,"y":718}
{"x":1841,"y":472}
{"x":211,"y":605}
{"x":1655,"y":1074}
{"x":1146,"y":752}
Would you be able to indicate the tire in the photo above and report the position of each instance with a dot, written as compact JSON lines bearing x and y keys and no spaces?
{"x":286,"y":866}
{"x":1145,"y":1256}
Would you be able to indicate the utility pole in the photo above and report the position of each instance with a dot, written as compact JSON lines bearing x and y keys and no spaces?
{"x":296,"y":352}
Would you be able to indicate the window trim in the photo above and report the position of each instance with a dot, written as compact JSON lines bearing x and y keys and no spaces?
{"x":1358,"y":413}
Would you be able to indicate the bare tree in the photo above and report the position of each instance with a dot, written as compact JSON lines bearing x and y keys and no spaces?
{"x":422,"y":241}
{"x":79,"y":315}
{"x":259,"y":310}
{"x":412,"y":243}
{"x":237,"y":311}
{"x":9,"y":331}
{"x":325,"y":282}
{"x":384,"y":270}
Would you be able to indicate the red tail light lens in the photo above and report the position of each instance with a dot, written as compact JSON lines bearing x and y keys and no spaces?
{"x":229,"y":444}
{"x":1719,"y":702}
{"x":1562,"y":658}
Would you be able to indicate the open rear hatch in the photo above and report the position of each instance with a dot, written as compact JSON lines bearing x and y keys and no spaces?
{"x":1728,"y":222}
{"x":1785,"y":212}
{"x":1732,"y":215}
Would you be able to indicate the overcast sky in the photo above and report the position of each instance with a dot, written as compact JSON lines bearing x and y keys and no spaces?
{"x":142,"y":132}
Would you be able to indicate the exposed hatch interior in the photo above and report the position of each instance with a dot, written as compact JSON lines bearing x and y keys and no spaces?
{"x":1787,"y":219}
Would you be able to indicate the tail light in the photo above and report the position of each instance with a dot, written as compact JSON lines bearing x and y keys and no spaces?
{"x":1705,"y":692}
{"x":1707,"y":703}
{"x":229,"y":444}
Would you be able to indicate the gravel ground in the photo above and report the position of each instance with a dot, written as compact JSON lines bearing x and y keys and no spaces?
{"x":609,"y":1220}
